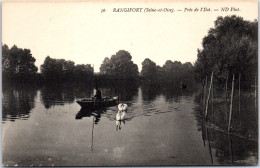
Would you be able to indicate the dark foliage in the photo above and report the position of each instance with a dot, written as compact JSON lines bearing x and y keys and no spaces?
{"x":171,"y":72}
{"x":229,"y":48}
{"x":17,"y":64}
{"x":60,"y":70}
{"x":119,"y":66}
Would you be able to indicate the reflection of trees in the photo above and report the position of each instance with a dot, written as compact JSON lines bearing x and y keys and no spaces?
{"x":81,"y":89}
{"x":244,"y":117}
{"x":58,"y":94}
{"x":17,"y":101}
{"x":150,"y":91}
{"x":51,"y":93}
{"x":125,"y":89}
{"x":172,"y":91}
{"x":229,"y":149}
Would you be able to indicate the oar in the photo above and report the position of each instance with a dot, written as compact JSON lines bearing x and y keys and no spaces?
{"x":92,"y":137}
{"x":94,"y":102}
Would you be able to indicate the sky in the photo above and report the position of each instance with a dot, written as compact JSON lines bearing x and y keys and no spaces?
{"x":80,"y":32}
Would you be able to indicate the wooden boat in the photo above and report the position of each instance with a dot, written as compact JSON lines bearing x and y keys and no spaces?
{"x":93,"y":103}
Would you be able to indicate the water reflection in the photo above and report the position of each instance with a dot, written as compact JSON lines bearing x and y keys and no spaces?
{"x":58,"y":94}
{"x":150,"y":91}
{"x":238,"y":147}
{"x":96,"y":113}
{"x":119,"y":124}
{"x":229,"y":149}
{"x":171,"y":92}
{"x":169,"y":109}
{"x":127,"y":90}
{"x":17,"y":102}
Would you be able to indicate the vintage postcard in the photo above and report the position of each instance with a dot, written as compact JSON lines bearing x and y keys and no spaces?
{"x":129,"y":83}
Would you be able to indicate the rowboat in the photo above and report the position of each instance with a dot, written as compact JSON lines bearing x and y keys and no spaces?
{"x":93,"y":103}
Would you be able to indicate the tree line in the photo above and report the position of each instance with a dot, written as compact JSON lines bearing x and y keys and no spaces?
{"x":169,"y":72}
{"x":230,"y":47}
{"x":60,"y":70}
{"x":19,"y":65}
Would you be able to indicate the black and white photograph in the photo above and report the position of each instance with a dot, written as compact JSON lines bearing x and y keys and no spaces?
{"x":129,"y":83}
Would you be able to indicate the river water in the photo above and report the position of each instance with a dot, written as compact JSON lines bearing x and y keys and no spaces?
{"x":46,"y":127}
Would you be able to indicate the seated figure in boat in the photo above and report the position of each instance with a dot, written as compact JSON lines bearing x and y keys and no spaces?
{"x":183,"y":86}
{"x":98,"y":94}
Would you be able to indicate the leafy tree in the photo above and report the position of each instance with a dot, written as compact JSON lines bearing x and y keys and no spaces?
{"x":60,"y":70}
{"x":51,"y":69}
{"x":172,"y":70}
{"x":149,"y":70}
{"x":68,"y":70}
{"x":230,"y":47}
{"x":107,"y":67}
{"x":188,"y":73}
{"x":83,"y":72}
{"x":119,"y":66}
{"x":17,"y":64}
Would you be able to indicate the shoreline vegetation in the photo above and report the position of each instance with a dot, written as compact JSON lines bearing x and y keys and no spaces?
{"x":18,"y":67}
{"x":228,"y":48}
{"x":228,"y":59}
{"x":224,"y":74}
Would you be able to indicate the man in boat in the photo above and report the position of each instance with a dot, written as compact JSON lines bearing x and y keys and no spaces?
{"x":98,"y":94}
{"x":183,"y":86}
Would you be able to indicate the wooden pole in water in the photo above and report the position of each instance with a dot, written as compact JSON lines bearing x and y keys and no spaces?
{"x":201,"y":96}
{"x":231,"y":103}
{"x":210,"y":152}
{"x":117,"y":92}
{"x":239,"y":78}
{"x":206,"y":111}
{"x":230,"y":148}
{"x":94,"y":102}
{"x":212,"y":96}
{"x":205,"y":90}
{"x":255,"y":93}
{"x":226,"y":88}
{"x":203,"y":132}
{"x":92,"y":137}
